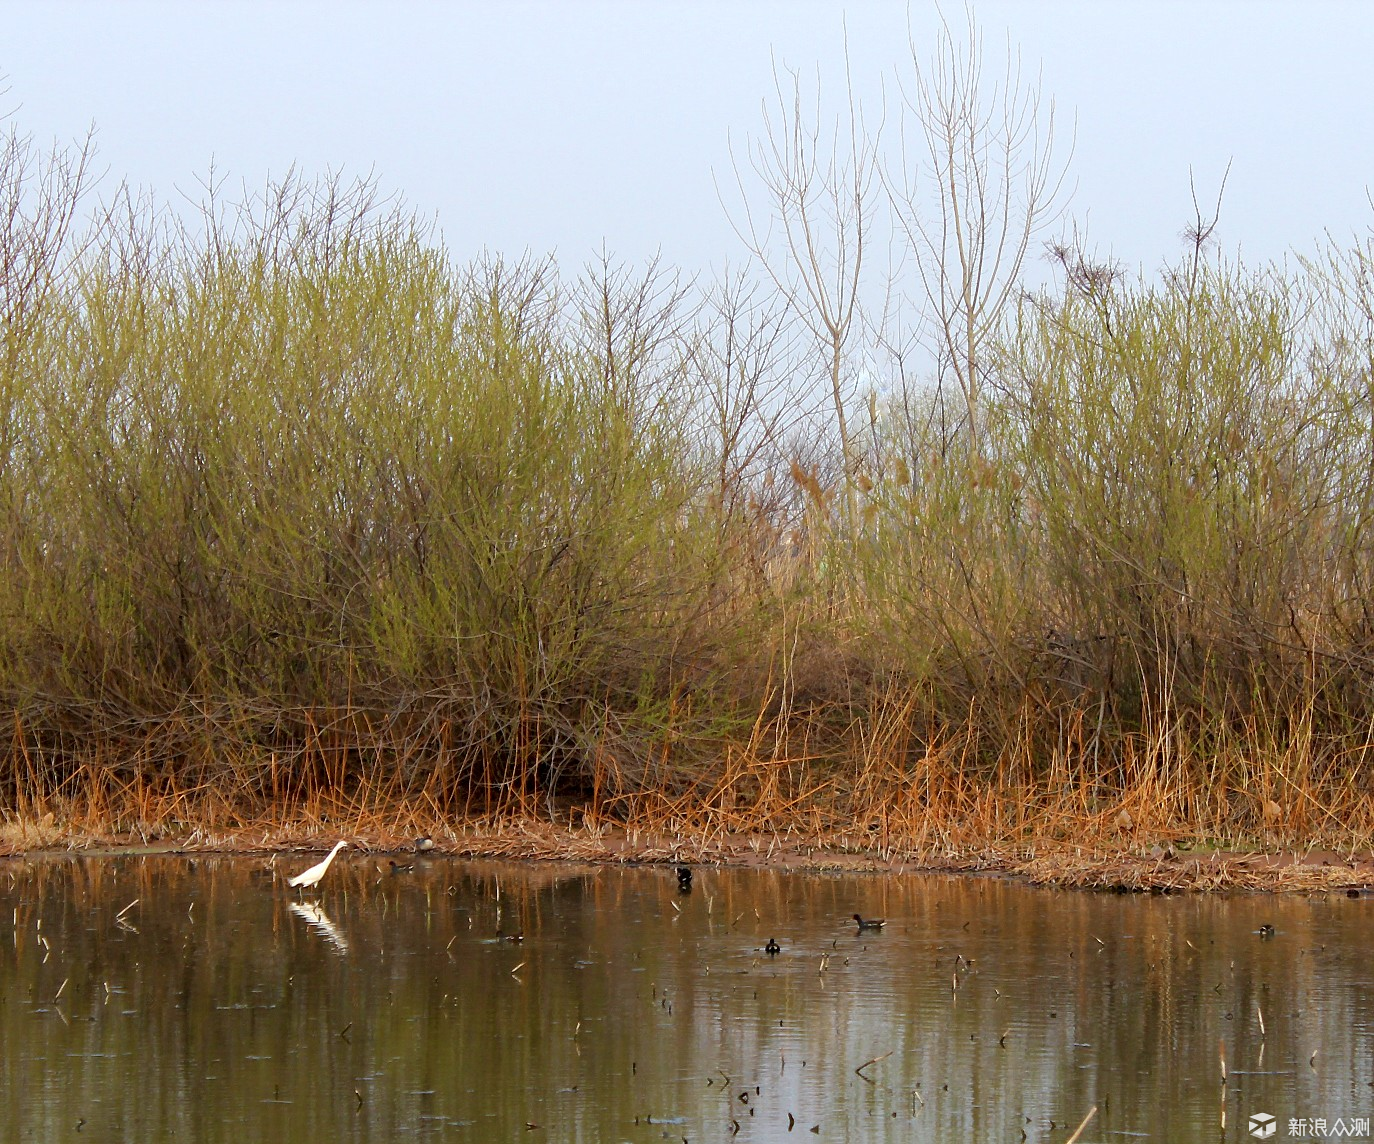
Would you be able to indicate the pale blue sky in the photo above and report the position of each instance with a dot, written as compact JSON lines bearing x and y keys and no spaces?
{"x":560,"y":126}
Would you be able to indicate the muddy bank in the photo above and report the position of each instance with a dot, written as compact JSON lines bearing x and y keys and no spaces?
{"x":1158,"y":868}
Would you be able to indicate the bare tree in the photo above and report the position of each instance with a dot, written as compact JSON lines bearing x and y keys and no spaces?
{"x":976,"y":179}
{"x":812,"y":244}
{"x":739,"y":357}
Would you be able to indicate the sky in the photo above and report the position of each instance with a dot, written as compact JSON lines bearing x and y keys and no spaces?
{"x":568,"y":127}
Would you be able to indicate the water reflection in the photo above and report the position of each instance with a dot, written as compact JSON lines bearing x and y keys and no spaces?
{"x":177,"y":998}
{"x":312,"y":913}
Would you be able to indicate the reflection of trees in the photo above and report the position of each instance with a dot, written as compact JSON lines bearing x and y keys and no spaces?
{"x":631,"y":996}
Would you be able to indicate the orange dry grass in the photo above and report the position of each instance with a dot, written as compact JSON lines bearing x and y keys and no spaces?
{"x":786,"y":796}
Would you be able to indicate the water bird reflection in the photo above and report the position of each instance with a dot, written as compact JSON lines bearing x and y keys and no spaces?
{"x":320,"y":922}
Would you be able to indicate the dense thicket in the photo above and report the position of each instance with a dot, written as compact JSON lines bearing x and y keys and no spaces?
{"x":292,"y":504}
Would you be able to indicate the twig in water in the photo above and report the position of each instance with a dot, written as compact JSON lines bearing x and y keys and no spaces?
{"x":859,"y":1072}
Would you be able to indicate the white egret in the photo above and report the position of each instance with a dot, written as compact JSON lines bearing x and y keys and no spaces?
{"x":316,"y":872}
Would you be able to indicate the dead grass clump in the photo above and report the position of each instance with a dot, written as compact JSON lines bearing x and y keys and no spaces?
{"x":19,"y":834}
{"x":1177,"y":872}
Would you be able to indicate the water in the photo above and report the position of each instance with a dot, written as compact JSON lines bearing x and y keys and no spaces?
{"x":219,"y":1008}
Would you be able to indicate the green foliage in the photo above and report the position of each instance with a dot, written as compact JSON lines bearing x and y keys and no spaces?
{"x":294,"y":495}
{"x":301,"y":465}
{"x":1166,"y":525}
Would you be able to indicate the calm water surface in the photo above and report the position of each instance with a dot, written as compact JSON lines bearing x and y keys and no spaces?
{"x":197,"y":999}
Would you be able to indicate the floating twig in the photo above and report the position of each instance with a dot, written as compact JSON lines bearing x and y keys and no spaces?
{"x":1079,"y":1130}
{"x":859,"y":1072}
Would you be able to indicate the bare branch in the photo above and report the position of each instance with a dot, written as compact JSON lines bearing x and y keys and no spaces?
{"x":814,"y":241}
{"x":977,"y":178}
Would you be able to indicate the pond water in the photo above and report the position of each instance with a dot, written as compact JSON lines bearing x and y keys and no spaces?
{"x":197,"y":998}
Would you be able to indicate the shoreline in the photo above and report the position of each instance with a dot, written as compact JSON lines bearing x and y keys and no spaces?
{"x":1123,"y":868}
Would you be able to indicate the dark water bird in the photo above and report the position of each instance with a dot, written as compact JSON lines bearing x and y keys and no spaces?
{"x":684,"y":879}
{"x":772,"y":947}
{"x":1265,"y":931}
{"x":512,"y":936}
{"x":316,"y":872}
{"x":401,"y":868}
{"x":870,"y":923}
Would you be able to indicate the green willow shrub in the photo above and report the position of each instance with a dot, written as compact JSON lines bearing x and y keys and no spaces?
{"x":303,"y":472}
{"x":1176,"y":457}
{"x":1164,"y":529}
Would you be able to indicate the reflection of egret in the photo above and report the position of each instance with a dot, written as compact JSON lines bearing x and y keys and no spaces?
{"x":316,"y":872}
{"x":318,"y":920}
